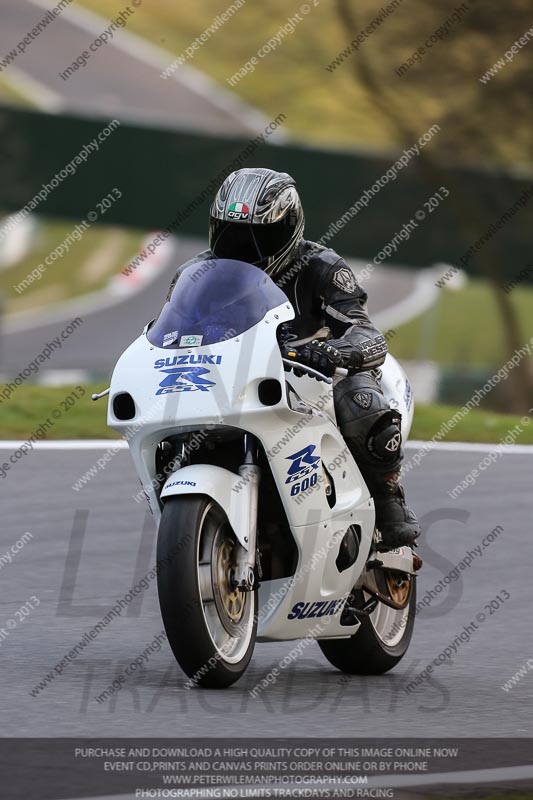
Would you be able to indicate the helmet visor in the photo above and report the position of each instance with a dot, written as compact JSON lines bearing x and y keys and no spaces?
{"x":249,"y":242}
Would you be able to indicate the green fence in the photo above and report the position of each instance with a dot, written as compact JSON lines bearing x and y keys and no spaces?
{"x":169,"y":177}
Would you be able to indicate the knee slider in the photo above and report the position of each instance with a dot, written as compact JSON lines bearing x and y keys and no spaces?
{"x":385,"y":439}
{"x":375,"y":438}
{"x":372,"y":431}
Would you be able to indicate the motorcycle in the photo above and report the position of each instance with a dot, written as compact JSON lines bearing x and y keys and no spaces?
{"x":265,"y":524}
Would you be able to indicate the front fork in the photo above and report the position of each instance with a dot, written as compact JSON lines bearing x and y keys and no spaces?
{"x":244,"y":573}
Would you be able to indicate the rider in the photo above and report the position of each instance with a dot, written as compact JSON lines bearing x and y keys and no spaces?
{"x":257,"y":217}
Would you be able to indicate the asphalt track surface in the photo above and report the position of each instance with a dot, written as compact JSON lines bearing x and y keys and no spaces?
{"x":115,"y":83}
{"x":463,"y":697}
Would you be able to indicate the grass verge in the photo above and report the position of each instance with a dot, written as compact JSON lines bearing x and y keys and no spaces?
{"x":87,"y":266}
{"x":10,"y":94}
{"x":31,"y":405}
{"x":463,"y":328}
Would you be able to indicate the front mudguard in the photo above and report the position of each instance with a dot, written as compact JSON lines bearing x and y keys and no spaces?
{"x":232,"y":493}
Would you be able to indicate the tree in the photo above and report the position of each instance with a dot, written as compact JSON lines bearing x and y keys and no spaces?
{"x":488,"y":123}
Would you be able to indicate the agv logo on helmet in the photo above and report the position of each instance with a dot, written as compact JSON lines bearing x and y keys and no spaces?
{"x":238,"y":211}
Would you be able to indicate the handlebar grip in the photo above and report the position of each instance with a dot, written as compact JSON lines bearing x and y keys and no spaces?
{"x":308,"y":370}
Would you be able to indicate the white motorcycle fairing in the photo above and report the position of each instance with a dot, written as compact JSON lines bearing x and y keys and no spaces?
{"x":158,"y":392}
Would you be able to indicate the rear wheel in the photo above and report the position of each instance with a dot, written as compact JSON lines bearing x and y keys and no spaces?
{"x":383,"y":637}
{"x":211,"y":626}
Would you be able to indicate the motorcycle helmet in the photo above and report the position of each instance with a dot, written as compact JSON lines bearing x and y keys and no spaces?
{"x":257,"y":217}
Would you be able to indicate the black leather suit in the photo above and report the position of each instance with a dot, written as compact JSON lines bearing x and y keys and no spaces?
{"x":324,"y":293}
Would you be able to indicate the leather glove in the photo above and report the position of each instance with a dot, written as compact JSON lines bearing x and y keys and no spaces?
{"x":322,"y":356}
{"x":351,"y":358}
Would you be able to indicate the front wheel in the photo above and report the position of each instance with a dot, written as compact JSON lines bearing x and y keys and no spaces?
{"x":383,"y":637}
{"x":211,"y":626}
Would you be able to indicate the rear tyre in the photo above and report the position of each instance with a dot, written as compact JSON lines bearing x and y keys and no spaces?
{"x":381,"y":640}
{"x":211,"y":627}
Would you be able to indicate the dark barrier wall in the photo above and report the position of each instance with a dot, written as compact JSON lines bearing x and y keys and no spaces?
{"x":168,"y":178}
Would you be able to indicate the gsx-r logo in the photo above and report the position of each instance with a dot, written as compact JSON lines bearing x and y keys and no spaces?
{"x":185,"y":379}
{"x":303,"y":462}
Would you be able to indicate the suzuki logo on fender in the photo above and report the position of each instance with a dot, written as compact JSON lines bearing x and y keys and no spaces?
{"x":185,"y":379}
{"x":322,"y":608}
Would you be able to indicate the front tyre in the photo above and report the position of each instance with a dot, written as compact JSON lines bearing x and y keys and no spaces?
{"x":211,"y":627}
{"x":383,"y":637}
